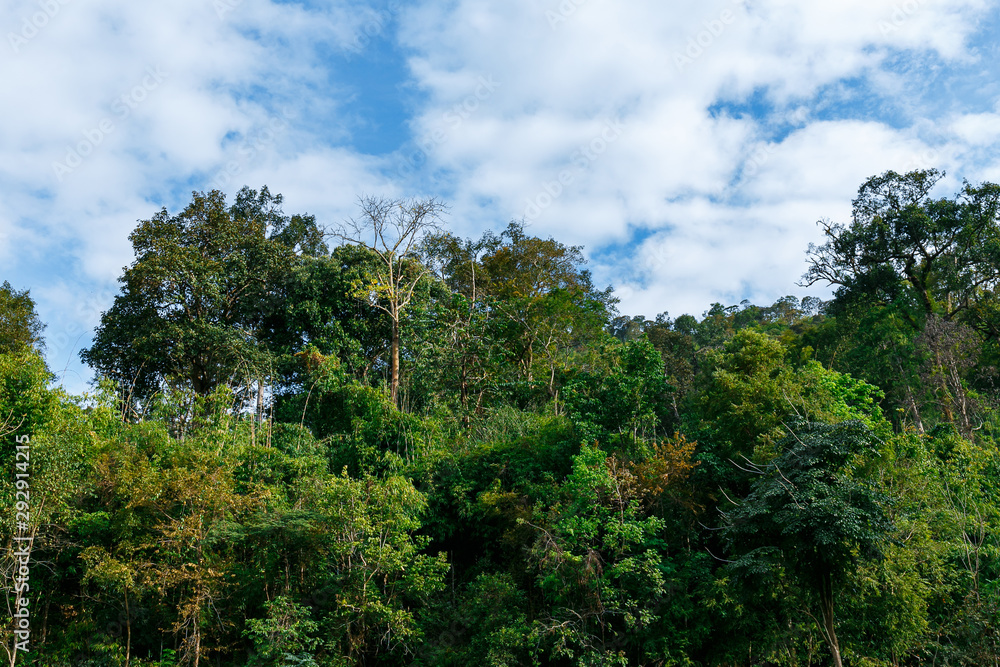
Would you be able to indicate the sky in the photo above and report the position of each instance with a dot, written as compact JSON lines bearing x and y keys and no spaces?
{"x":690,"y":147}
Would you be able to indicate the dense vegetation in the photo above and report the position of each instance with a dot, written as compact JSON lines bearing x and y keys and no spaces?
{"x":416,"y":449}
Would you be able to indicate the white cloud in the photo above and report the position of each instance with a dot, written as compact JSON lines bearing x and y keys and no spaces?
{"x":722,"y":130}
{"x":981,"y":129}
{"x":728,"y":194}
{"x":134,"y":101}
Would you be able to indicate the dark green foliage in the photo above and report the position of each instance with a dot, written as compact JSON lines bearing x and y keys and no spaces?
{"x":193,"y":303}
{"x":811,"y":514}
{"x":487,"y":625}
{"x":554,"y":485}
{"x":313,"y":309}
{"x":808,"y":506}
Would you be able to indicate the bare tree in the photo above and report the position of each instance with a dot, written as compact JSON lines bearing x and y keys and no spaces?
{"x":393,"y":230}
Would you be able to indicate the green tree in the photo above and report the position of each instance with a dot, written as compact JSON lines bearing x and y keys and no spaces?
{"x":315,"y":308}
{"x":202,"y":512}
{"x":624,"y":403}
{"x":811,"y":513}
{"x":907,"y":259}
{"x":546,"y":304}
{"x":192,"y":304}
{"x":26,"y":402}
{"x":903,"y":247}
{"x":747,"y":390}
{"x":486,"y":625}
{"x":459,"y":345}
{"x":287,"y":634}
{"x":20,"y":327}
{"x":374,"y":560}
{"x":45,"y":498}
{"x":598,"y":566}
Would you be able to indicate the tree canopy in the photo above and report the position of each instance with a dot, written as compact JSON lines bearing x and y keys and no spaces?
{"x":194,"y":301}
{"x":20,"y":327}
{"x":422,"y":449}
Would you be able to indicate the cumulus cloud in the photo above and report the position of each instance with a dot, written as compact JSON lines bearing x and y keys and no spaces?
{"x":689,"y":146}
{"x":737,"y":115}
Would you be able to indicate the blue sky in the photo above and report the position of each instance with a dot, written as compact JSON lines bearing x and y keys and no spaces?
{"x":689,"y":146}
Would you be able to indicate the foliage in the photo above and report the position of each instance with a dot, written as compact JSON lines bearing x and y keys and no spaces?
{"x":192,"y":304}
{"x":812,"y":515}
{"x":287,"y":634}
{"x":20,"y":327}
{"x":626,"y":400}
{"x":549,"y":484}
{"x":25,"y":400}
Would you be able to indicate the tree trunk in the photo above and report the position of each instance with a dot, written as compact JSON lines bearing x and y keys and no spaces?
{"x":826,"y":608}
{"x":260,"y":401}
{"x":463,"y":391}
{"x":945,"y":394}
{"x":394,"y":364}
{"x":197,"y":642}
{"x":128,"y":632}
{"x":916,"y":411}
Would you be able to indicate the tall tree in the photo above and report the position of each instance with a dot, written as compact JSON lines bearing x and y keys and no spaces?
{"x":908,"y":259}
{"x":459,"y":346}
{"x":393,"y":229}
{"x":812,"y":514}
{"x":192,"y":303}
{"x":314,"y":306}
{"x":905,"y":248}
{"x":546,"y":301}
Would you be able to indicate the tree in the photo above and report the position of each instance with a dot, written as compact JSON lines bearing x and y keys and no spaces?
{"x":19,"y":324}
{"x":192,"y":303}
{"x":624,"y":403}
{"x":811,"y":513}
{"x":26,"y":402}
{"x":315,"y":308}
{"x":903,"y":247}
{"x":284,"y":635}
{"x":746,"y":393}
{"x":203,"y":510}
{"x":392,"y":229}
{"x":951,"y":352}
{"x":908,"y":261}
{"x":546,"y":303}
{"x":377,"y":564}
{"x":598,"y":565}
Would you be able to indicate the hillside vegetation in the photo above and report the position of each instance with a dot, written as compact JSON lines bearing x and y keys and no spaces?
{"x":383,"y":444}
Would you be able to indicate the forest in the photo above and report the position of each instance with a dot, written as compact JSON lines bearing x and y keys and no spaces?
{"x":377,"y":443}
